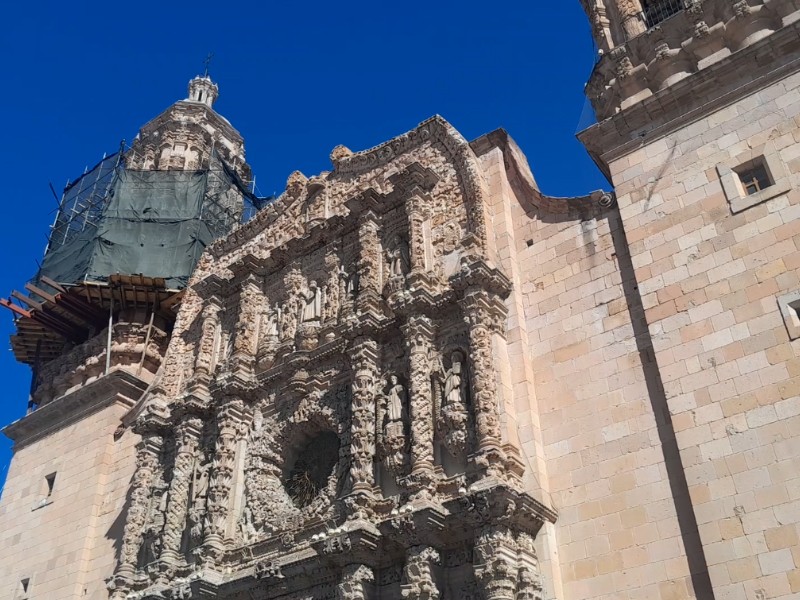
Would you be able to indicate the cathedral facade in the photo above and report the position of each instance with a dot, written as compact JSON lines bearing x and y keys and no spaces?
{"x":417,"y":376}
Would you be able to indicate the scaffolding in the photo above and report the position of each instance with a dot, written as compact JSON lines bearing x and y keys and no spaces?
{"x":123,"y":238}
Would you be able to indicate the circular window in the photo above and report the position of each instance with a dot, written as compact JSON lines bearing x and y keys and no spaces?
{"x":312,"y":468}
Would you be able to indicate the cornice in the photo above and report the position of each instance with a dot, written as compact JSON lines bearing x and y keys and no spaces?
{"x":118,"y":387}
{"x":695,"y":97}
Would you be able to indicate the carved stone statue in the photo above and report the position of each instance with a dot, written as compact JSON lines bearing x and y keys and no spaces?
{"x":455,"y":382}
{"x":313,"y":308}
{"x":393,"y":415}
{"x":395,"y":400}
{"x":399,"y":257}
{"x":200,"y":488}
{"x":288,"y":316}
{"x":272,"y":322}
{"x":453,"y":416}
{"x":246,"y":525}
{"x":351,"y":282}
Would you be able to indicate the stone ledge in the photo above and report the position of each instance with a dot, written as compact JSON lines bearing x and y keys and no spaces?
{"x":694,"y":97}
{"x":116,"y":387}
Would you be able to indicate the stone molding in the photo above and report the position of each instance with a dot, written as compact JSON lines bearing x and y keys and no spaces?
{"x":686,"y":101}
{"x":117,"y":387}
{"x":702,"y":34}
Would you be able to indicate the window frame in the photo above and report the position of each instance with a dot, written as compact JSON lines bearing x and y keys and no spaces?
{"x":734,"y":188}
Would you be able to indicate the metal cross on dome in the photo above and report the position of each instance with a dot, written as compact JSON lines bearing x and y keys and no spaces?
{"x":207,"y":62}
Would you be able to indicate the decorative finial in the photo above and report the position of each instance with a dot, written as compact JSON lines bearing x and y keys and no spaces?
{"x":207,"y":62}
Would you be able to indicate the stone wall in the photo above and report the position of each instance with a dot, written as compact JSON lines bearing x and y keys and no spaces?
{"x":710,"y":280}
{"x":66,"y":544}
{"x":588,"y":421}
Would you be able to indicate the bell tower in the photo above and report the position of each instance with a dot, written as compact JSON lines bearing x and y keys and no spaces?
{"x":698,"y":111}
{"x":94,"y":326}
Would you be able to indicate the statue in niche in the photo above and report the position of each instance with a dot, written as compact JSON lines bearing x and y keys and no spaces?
{"x":395,"y":400}
{"x":246,"y":525}
{"x":393,"y":415}
{"x":313,"y":307}
{"x":200,"y":486}
{"x":455,"y":382}
{"x":288,"y":317}
{"x":197,"y":506}
{"x":273,"y":320}
{"x":350,"y":282}
{"x":399,"y":257}
{"x":453,"y":416}
{"x":151,"y":542}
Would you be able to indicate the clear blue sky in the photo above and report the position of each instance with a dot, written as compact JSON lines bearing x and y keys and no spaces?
{"x":295,"y":78}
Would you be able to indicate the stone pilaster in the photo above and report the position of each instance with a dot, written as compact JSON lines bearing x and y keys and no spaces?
{"x":204,"y":361}
{"x":420,"y":276}
{"x":419,"y":581}
{"x":631,"y":17}
{"x":482,"y":320}
{"x":251,"y":301}
{"x":369,"y":295}
{"x":355,"y":583}
{"x":230,"y":416}
{"x":148,"y":453}
{"x":187,"y":439}
{"x":416,"y":233}
{"x":418,"y":333}
{"x":364,"y":362}
{"x":529,"y":576}
{"x":496,"y":564}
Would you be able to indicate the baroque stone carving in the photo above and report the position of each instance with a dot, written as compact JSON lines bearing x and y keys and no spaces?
{"x":418,"y":334}
{"x":398,"y":256}
{"x":355,"y":583}
{"x":453,"y":417}
{"x":393,"y":420}
{"x":418,"y":578}
{"x":364,"y":357}
{"x":350,"y":386}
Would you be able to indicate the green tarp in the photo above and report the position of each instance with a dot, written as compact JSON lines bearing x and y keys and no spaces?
{"x":151,"y":225}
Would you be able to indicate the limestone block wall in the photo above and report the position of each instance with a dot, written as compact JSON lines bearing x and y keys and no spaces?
{"x":588,"y":423}
{"x":710,"y":280}
{"x":66,"y":544}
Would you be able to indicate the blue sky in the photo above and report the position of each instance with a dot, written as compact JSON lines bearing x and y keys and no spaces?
{"x":295,"y":78}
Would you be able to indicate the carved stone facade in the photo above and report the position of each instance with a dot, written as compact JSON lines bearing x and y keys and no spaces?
{"x":341,"y":419}
{"x":418,"y":377}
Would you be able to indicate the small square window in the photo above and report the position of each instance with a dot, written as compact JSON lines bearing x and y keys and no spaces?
{"x":754,"y":176}
{"x":790,"y":311}
{"x":50,"y":481}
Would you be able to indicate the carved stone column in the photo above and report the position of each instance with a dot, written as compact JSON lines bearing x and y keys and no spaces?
{"x":369,"y":264}
{"x":631,"y":17}
{"x":364,"y":361}
{"x":419,"y":582}
{"x":230,"y":415}
{"x":356,"y":583}
{"x":421,"y":276}
{"x":148,"y":452}
{"x":418,"y":332}
{"x":482,"y":316}
{"x":251,"y":302}
{"x":496,"y":563}
{"x":204,"y":362}
{"x":187,"y":439}
{"x":416,"y":232}
{"x":529,"y":577}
